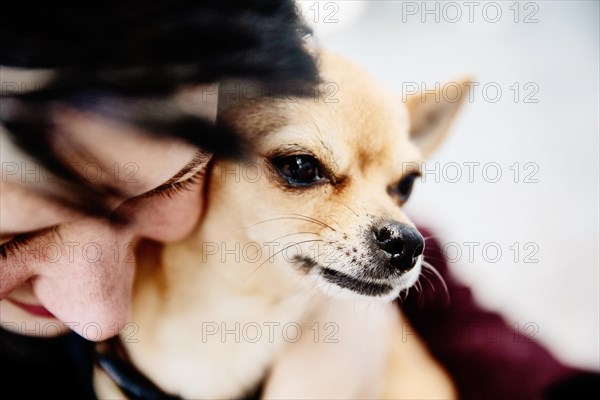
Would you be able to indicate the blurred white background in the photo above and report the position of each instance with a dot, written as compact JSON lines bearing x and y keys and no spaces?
{"x":550,"y":49}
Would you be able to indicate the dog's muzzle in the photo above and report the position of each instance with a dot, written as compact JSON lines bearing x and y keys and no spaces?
{"x":387,"y":261}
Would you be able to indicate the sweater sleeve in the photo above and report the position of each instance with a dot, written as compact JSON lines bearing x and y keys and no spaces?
{"x":486,"y":358}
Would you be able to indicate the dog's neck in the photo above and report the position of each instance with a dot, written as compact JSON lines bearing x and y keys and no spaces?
{"x":223,"y":320}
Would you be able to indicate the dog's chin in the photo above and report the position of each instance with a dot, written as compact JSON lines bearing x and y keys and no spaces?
{"x":342,"y":285}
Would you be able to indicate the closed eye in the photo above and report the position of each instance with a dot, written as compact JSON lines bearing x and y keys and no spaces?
{"x":170,"y":189}
{"x":15,"y":243}
{"x":191,"y":174}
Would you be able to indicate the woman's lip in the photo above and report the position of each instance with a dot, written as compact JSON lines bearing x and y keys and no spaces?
{"x":40,"y":311}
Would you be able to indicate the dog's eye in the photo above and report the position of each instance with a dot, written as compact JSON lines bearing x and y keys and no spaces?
{"x":300,"y":170}
{"x":404,"y":188}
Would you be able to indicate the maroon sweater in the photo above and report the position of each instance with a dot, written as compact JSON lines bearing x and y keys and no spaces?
{"x":486,"y":358}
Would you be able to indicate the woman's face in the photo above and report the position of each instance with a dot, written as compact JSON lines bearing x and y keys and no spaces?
{"x":73,"y":270}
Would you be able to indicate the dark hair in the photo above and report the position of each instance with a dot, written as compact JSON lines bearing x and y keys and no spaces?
{"x":144,"y":52}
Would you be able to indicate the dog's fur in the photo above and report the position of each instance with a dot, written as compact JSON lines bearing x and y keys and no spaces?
{"x":362,"y":135}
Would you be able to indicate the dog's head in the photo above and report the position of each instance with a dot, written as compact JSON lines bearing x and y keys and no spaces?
{"x":321,"y":200}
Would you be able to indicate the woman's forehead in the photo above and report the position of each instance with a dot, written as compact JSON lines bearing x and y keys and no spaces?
{"x":128,"y":158}
{"x":104,"y":153}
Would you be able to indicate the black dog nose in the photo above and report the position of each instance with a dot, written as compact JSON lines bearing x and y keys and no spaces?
{"x":402,"y":242}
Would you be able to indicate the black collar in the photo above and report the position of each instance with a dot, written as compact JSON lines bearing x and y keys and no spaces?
{"x":112,"y":358}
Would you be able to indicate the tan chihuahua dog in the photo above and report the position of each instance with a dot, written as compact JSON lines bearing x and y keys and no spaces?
{"x":314,"y":214}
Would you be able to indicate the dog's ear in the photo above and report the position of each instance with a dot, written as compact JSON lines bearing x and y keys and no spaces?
{"x":432,"y":111}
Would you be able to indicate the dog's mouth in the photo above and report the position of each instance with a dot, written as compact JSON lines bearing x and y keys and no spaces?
{"x":357,"y":285}
{"x":348,"y":284}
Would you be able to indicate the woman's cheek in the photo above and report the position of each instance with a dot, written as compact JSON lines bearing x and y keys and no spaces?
{"x":14,"y":271}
